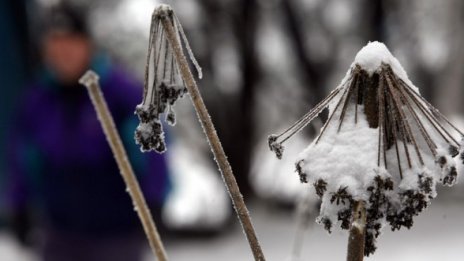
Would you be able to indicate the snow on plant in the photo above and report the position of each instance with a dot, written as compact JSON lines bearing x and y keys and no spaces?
{"x":382,"y":145}
{"x":169,"y":79}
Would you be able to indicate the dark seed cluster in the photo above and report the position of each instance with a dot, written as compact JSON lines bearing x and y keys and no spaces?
{"x":169,"y":95}
{"x":276,"y":147}
{"x":397,"y":208}
{"x":326,"y":222}
{"x":412,"y":203}
{"x":450,"y":178}
{"x":163,"y":83}
{"x":344,"y":216}
{"x":449,"y":170}
{"x":341,"y":197}
{"x":149,"y":134}
{"x":453,"y":151}
{"x":301,"y":174}
{"x":377,"y":204}
{"x":321,"y":187}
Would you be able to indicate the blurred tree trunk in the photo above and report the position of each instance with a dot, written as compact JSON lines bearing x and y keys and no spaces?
{"x":449,"y":87}
{"x":245,"y":29}
{"x":233,"y":113}
{"x":374,"y":12}
{"x":314,"y":73}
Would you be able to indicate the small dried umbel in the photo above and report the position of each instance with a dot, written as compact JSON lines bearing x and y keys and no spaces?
{"x":163,"y":84}
{"x":171,"y":78}
{"x":383,"y":144}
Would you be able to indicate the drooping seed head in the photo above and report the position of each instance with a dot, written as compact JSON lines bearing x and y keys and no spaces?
{"x":382,"y":144}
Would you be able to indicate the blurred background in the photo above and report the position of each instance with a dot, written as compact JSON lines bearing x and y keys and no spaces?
{"x":265,"y":63}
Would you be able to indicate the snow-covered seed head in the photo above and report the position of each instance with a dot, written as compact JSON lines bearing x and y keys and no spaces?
{"x":163,"y":81}
{"x":382,"y":144}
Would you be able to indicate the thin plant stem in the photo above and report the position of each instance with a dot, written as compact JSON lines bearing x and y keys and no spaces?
{"x":357,"y":232}
{"x":211,"y":134}
{"x":90,"y":80}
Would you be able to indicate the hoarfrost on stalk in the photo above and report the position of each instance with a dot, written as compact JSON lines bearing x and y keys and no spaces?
{"x":382,"y":144}
{"x":163,"y":82}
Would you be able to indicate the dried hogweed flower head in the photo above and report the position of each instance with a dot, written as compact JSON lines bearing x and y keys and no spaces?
{"x":383,"y":144}
{"x":163,"y":82}
{"x":168,"y":81}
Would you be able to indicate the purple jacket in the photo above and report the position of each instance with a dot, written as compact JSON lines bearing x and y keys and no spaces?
{"x":60,"y":159}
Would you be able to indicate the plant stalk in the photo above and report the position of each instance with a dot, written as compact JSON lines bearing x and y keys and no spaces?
{"x":357,"y":232}
{"x":214,"y":142}
{"x":90,"y":80}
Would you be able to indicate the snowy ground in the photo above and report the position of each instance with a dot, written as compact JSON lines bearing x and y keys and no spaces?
{"x":438,"y":234}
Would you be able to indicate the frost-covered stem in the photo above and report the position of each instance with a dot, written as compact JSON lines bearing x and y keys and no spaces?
{"x":90,"y":80}
{"x":214,"y":142}
{"x":357,"y":232}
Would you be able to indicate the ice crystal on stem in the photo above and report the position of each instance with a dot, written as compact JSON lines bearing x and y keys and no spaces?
{"x":383,"y":144}
{"x":171,"y":75}
{"x":163,"y":82}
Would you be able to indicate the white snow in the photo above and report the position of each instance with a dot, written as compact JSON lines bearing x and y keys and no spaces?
{"x":145,"y":129}
{"x":371,"y":57}
{"x":348,"y":157}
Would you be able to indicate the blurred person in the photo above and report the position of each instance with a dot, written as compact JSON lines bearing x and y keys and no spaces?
{"x":60,"y":162}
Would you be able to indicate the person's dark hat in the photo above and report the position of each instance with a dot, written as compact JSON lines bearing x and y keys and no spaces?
{"x":65,"y":18}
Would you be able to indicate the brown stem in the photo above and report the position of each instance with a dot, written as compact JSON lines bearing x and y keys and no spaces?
{"x":332,"y":114}
{"x":357,"y":232}
{"x":90,"y":80}
{"x":214,"y":142}
{"x":351,"y":89}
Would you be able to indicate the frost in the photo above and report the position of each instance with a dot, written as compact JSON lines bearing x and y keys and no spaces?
{"x":163,"y":82}
{"x":90,"y":77}
{"x":382,"y":144}
{"x":178,"y":26}
{"x":149,"y":134}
